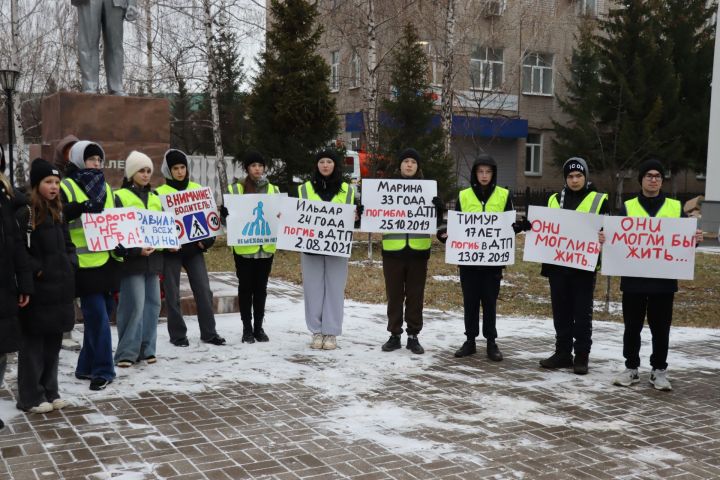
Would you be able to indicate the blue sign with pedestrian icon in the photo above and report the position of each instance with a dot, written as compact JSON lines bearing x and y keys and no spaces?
{"x":196,"y":226}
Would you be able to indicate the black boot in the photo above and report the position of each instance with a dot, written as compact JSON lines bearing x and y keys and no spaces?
{"x":2,"y":424}
{"x":260,"y":334}
{"x":247,"y":336}
{"x":393,"y":343}
{"x":558,"y":360}
{"x":580,"y":367}
{"x":493,"y":352}
{"x":467,"y":349}
{"x":413,"y":344}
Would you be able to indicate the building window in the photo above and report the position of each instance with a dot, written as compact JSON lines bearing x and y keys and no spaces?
{"x":533,"y":154}
{"x":486,"y":68}
{"x":537,"y":74}
{"x":355,"y":70}
{"x":334,"y":71}
{"x":586,"y":8}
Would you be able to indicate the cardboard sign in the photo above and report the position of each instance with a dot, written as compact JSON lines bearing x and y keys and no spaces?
{"x":649,"y":247}
{"x":113,"y":226}
{"x":398,"y":206}
{"x":563,"y":237}
{"x":158,"y":229}
{"x":252,"y":219}
{"x":195,"y":214}
{"x":480,"y":238}
{"x":316,"y":227}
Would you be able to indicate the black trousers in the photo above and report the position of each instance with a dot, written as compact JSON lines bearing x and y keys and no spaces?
{"x":38,"y":369}
{"x":405,"y":284}
{"x":658,"y":308}
{"x":572,"y":306}
{"x":480,"y":286}
{"x":252,"y":274}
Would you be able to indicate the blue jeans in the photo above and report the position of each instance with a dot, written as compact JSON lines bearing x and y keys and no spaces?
{"x":95,"y":360}
{"x":137,"y":317}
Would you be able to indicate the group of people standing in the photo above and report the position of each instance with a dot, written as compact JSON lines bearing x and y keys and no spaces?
{"x":46,"y":264}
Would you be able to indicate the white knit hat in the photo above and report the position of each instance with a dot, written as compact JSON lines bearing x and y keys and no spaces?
{"x":135,"y":162}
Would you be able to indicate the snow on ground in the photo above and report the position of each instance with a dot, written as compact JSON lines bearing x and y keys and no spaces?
{"x":355,"y":373}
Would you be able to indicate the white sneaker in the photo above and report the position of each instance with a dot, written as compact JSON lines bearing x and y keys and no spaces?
{"x":627,"y":378}
{"x":658,"y":378}
{"x":330,"y":342}
{"x":59,"y":404}
{"x":317,"y":341}
{"x":44,"y":407}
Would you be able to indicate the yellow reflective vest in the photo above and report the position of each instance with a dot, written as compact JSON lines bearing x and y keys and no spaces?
{"x":496,"y":203}
{"x":238,"y":189}
{"x":75,"y":194}
{"x":670,"y":209}
{"x":590,"y":204}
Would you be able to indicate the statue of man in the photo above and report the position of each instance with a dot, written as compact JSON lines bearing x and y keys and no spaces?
{"x":107,"y":16}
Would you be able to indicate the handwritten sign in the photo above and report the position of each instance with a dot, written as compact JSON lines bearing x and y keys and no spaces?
{"x":195,"y":214}
{"x":649,"y":247}
{"x":158,"y":229}
{"x":252,"y":219}
{"x":480,"y":238}
{"x":398,"y":206}
{"x":563,"y":237}
{"x":316,"y":227}
{"x":114,"y":226}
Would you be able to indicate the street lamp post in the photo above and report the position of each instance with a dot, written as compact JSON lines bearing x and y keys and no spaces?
{"x":8,"y":81}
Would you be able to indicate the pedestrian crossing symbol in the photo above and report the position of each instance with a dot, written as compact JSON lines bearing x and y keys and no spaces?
{"x":196,"y":226}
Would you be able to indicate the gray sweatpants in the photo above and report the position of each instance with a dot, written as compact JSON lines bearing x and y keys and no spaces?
{"x":324,"y":279}
{"x":200,"y":286}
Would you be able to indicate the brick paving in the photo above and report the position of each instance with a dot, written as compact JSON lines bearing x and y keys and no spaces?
{"x":476,"y":419}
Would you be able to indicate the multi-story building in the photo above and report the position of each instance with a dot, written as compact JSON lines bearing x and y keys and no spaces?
{"x":510,"y":59}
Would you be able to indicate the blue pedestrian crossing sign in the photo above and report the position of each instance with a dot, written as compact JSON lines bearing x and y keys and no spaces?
{"x":196,"y":226}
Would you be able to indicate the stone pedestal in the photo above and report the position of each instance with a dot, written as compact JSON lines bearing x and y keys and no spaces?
{"x":118,"y":124}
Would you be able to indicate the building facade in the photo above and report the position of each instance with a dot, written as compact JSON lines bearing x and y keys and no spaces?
{"x":510,"y":59}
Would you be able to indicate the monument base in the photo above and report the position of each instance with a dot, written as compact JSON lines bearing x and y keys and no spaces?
{"x":119,"y":124}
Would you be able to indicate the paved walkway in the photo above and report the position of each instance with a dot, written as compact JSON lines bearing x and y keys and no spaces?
{"x":425,"y":418}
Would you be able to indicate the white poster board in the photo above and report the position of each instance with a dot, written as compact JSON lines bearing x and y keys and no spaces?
{"x":252,"y":218}
{"x":158,"y":229}
{"x":316,"y":227}
{"x":649,"y":247}
{"x":195,"y":214}
{"x":113,"y":226}
{"x":563,"y":237}
{"x":480,"y":238}
{"x":398,"y":206}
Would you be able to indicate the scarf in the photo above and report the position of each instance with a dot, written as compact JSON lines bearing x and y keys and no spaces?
{"x":178,"y":184}
{"x":92,"y":181}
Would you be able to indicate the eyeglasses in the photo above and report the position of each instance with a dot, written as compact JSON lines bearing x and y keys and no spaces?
{"x":651,"y":177}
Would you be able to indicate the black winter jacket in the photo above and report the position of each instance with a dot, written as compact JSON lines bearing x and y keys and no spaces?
{"x":15,"y":274}
{"x":53,"y":262}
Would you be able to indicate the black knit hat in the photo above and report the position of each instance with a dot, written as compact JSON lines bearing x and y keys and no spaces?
{"x":93,"y":149}
{"x":39,"y":169}
{"x":575,"y":164}
{"x":650,"y":164}
{"x":250,"y":157}
{"x":175,"y":157}
{"x":409,"y":153}
{"x":331,"y":154}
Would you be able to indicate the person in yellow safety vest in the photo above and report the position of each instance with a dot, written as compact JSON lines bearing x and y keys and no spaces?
{"x":481,"y":284}
{"x":571,"y":289}
{"x":651,"y":297}
{"x":253,"y":263}
{"x":405,"y":258}
{"x":139,"y":303}
{"x":324,"y":276}
{"x":84,"y":190}
{"x":190,"y":257}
